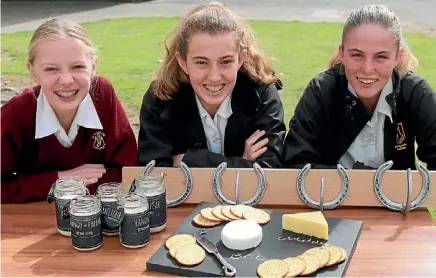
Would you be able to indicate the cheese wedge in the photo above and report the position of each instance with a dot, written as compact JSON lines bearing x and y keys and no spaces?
{"x":307,"y":223}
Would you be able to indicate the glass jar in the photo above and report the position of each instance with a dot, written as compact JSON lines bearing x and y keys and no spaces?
{"x":153,"y":187}
{"x":108,"y":193}
{"x":62,"y":192}
{"x":85,"y":221}
{"x":135,"y":226}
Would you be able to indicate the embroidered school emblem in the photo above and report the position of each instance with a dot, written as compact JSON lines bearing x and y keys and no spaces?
{"x":399,"y":138}
{"x":98,"y":140}
{"x":400,"y":134}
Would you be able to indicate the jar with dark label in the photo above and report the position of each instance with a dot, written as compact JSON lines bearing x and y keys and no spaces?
{"x":135,"y":226}
{"x":85,"y":221}
{"x":62,"y":192}
{"x":153,"y":187}
{"x":108,"y":194}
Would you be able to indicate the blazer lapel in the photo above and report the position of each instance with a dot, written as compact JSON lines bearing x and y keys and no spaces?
{"x":190,"y":119}
{"x":245,"y":101}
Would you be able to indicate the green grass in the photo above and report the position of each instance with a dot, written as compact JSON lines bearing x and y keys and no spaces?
{"x":433,"y":212}
{"x":129,"y":51}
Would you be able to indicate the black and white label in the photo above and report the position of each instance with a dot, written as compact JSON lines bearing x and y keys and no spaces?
{"x":62,"y":214}
{"x":135,"y":229}
{"x":86,"y":231}
{"x":158,"y":210}
{"x":112,"y":215}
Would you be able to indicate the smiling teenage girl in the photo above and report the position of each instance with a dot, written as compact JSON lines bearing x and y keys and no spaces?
{"x":369,"y":107}
{"x":70,"y":124}
{"x":214,"y":99}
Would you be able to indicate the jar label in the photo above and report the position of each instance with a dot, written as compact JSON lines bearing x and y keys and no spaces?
{"x":112,"y":215}
{"x":158,"y":210}
{"x":135,"y":229}
{"x":62,"y":214}
{"x":86,"y":231}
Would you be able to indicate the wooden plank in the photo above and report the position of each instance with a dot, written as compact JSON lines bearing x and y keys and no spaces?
{"x":281,"y":185}
{"x":390,"y":244}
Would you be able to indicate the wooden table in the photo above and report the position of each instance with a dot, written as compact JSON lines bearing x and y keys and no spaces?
{"x":390,"y":245}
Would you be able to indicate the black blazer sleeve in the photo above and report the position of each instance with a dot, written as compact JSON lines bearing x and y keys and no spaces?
{"x":269,"y":117}
{"x":303,"y":142}
{"x":153,"y":141}
{"x":423,"y":107}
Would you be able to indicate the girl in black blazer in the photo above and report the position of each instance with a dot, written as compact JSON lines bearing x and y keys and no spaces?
{"x":215,"y":98}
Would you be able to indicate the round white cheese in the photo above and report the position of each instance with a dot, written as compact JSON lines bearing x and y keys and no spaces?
{"x":241,"y":234}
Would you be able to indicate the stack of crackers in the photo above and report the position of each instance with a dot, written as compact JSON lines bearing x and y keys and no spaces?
{"x":185,"y":250}
{"x":210,"y":217}
{"x":307,"y":263}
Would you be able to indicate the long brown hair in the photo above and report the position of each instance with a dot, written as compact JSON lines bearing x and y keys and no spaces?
{"x":209,"y":18}
{"x":378,"y":14}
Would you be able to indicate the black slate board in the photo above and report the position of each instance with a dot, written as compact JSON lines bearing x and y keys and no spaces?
{"x":276,"y":244}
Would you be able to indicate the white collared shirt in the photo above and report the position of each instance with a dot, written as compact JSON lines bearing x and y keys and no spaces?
{"x":47,"y":122}
{"x":368,"y":147}
{"x":215,"y":128}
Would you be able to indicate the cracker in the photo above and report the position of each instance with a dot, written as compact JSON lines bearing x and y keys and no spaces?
{"x":344,"y":255}
{"x":322,"y":253}
{"x":313,"y":263}
{"x":190,"y":255}
{"x":203,"y":222}
{"x":296,"y":266}
{"x":225,"y":210}
{"x":335,"y":254}
{"x":207,"y":213}
{"x":258,"y":215}
{"x":272,"y":268}
{"x":239,"y":209}
{"x":179,"y":238}
{"x":216,"y":211}
{"x":176,"y":246}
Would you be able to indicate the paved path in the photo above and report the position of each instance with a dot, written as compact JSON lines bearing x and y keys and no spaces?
{"x":27,"y":15}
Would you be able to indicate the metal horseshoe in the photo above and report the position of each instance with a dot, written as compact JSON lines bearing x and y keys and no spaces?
{"x":188,"y":184}
{"x":216,"y":186}
{"x":409,"y":205}
{"x":301,"y":189}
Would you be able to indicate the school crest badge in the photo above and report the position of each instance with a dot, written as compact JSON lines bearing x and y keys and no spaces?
{"x":400,"y":137}
{"x":99,"y":143}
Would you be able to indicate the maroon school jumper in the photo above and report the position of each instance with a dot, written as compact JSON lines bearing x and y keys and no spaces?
{"x":30,"y":166}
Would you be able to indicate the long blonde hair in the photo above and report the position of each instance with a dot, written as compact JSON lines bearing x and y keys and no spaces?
{"x":378,"y":14}
{"x":60,"y":28}
{"x":209,"y":18}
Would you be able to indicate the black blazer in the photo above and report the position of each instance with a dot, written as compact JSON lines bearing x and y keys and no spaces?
{"x":174,"y":127}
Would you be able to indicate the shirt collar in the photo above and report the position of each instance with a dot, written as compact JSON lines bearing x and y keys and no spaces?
{"x":382,"y":105}
{"x":87,"y":115}
{"x":47,"y":122}
{"x":225,"y":109}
